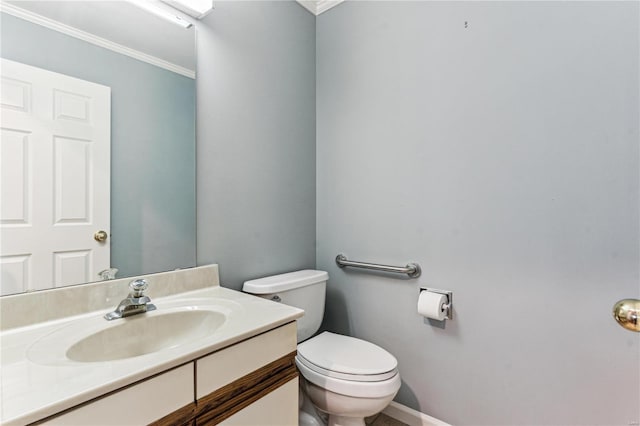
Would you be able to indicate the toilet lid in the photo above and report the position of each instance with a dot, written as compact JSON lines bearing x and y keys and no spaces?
{"x":347,"y":356}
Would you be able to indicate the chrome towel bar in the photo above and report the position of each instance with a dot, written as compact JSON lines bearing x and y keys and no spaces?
{"x":412,"y":269}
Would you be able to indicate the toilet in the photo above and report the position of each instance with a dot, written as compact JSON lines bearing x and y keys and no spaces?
{"x":344,"y":379}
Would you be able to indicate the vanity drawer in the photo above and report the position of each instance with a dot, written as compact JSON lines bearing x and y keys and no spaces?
{"x":141,"y":403}
{"x":230,"y":364}
{"x":277,"y":408}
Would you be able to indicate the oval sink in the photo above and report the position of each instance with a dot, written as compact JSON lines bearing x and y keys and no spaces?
{"x":175,"y":324}
{"x":143,"y":334}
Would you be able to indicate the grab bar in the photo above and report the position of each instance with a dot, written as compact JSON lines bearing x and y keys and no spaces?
{"x":412,"y":269}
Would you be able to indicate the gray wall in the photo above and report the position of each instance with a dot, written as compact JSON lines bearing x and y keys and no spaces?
{"x":256,"y":139}
{"x":152,"y":144}
{"x":502,"y":157}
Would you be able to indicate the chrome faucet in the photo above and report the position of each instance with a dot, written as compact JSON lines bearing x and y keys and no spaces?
{"x":135,"y":303}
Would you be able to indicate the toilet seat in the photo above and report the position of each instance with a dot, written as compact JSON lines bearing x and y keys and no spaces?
{"x":351,"y":388}
{"x":346,"y":355}
{"x":345,"y":376}
{"x":348,"y":366}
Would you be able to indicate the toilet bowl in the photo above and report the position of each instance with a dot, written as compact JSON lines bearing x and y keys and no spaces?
{"x":346,"y":379}
{"x":343,"y":410}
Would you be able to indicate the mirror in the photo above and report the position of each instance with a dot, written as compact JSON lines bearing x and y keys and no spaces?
{"x":98,"y":134}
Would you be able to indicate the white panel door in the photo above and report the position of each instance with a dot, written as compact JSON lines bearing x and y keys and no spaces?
{"x":55,"y":178}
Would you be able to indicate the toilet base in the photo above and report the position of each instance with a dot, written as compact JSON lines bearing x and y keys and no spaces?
{"x":309,"y":416}
{"x":307,"y":413}
{"x":345,"y":421}
{"x":337,"y":409}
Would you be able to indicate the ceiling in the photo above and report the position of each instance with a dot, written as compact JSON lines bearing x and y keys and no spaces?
{"x":122,"y":23}
{"x":318,"y":6}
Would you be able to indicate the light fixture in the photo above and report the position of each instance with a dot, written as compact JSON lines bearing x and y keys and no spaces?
{"x":162,"y":12}
{"x":195,"y":8}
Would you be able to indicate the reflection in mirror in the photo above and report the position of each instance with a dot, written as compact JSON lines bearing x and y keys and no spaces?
{"x":98,"y":143}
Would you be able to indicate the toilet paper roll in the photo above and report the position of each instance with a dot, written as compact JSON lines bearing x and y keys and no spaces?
{"x":432,"y":305}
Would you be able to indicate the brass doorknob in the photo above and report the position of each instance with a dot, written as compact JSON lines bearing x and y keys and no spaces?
{"x":100,"y":236}
{"x":627,"y":313}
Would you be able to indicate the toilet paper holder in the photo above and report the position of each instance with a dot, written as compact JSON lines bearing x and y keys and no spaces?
{"x":449,"y":306}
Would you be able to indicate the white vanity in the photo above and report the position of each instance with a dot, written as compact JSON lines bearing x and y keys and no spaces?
{"x":206,"y":355}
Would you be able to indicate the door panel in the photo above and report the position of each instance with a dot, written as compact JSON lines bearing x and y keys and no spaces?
{"x":55,"y":157}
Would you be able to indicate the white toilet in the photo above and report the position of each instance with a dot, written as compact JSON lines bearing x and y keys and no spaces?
{"x":345,"y":378}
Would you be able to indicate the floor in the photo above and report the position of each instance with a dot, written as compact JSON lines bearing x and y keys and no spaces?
{"x":383,"y":420}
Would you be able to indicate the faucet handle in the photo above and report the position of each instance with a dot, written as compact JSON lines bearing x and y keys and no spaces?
{"x":138,"y":287}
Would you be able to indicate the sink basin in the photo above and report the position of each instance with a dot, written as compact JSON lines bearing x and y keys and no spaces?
{"x":94,"y":339}
{"x":140,"y":335}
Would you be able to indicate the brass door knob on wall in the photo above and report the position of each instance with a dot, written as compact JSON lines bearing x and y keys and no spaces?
{"x":627,"y":313}
{"x":100,"y":236}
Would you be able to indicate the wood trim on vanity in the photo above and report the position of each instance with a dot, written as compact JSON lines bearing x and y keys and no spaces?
{"x":228,"y":400}
{"x":184,"y":416}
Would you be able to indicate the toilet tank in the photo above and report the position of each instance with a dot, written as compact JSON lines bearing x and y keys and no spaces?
{"x":301,"y":289}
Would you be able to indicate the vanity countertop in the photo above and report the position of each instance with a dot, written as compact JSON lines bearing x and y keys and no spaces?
{"x":35,"y":384}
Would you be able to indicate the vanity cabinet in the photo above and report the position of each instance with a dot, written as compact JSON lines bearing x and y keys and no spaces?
{"x":237,"y":381}
{"x":139,"y":404}
{"x":273,"y":409}
{"x":251,"y":382}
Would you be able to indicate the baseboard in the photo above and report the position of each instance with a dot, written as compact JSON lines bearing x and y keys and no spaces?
{"x":410,"y":416}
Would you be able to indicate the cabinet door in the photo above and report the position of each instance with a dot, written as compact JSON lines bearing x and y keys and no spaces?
{"x":230,"y":364}
{"x":278,"y":408}
{"x":139,"y":404}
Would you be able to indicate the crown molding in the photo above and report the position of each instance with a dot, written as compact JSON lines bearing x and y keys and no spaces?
{"x":319,"y":6}
{"x":93,"y":39}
